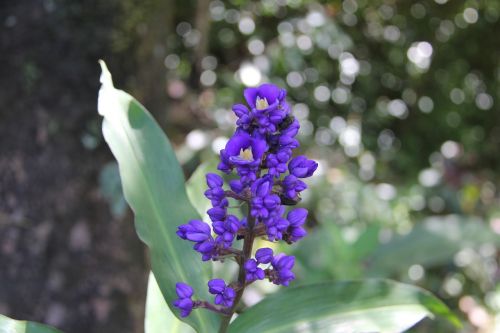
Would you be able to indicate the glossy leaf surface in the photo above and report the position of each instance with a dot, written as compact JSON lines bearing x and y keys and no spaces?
{"x":350,"y":306}
{"x":153,"y":185}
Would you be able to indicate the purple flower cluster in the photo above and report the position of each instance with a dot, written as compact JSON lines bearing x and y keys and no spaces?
{"x":184,"y":301}
{"x":268,"y":179}
{"x":279,"y":271}
{"x":224,"y":295}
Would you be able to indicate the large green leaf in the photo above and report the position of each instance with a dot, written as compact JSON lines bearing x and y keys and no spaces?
{"x":159,"y":318}
{"x":8,"y":325}
{"x":196,"y":186}
{"x":350,"y":306}
{"x":153,"y":185}
{"x":432,"y":242}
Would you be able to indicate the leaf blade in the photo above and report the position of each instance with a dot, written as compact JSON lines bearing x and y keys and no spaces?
{"x":153,"y":185}
{"x":9,"y":325}
{"x":362,"y":306}
{"x":196,"y":186}
{"x":158,"y":317}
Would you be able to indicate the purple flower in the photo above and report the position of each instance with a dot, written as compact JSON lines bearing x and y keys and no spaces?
{"x":215,"y":192}
{"x":217,"y":214}
{"x":271,"y":201}
{"x":301,"y":167}
{"x":288,"y":142}
{"x":286,"y":138}
{"x":183,"y":290}
{"x":226,"y":230}
{"x":245,"y":118}
{"x":262,"y":186}
{"x":291,"y":130}
{"x":264,"y":255}
{"x":253,"y":272}
{"x":263,"y":201}
{"x":264,"y":97}
{"x":260,"y":151}
{"x":184,"y":301}
{"x":269,"y":108}
{"x":296,"y":217}
{"x":195,"y":231}
{"x":214,"y":180}
{"x":236,"y":185}
{"x":276,"y":163}
{"x":200,"y":233}
{"x":276,"y":226}
{"x":243,"y":150}
{"x":292,"y":186}
{"x":277,"y":115}
{"x":208,"y":249}
{"x":282,"y":272}
{"x":224,"y":295}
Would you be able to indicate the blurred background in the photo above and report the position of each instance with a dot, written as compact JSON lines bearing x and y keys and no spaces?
{"x":398,"y":101}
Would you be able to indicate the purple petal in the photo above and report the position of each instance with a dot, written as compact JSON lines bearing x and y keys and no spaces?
{"x":228,"y":237}
{"x":269,"y":91}
{"x":200,"y":226}
{"x":301,"y":167}
{"x":264,"y":255}
{"x":286,"y":262}
{"x":250,"y":265}
{"x":229,"y":293}
{"x":286,"y":275}
{"x":218,"y":227}
{"x":251,"y":96}
{"x":236,"y":185}
{"x":282,"y":224}
{"x":214,"y":180}
{"x":240,"y":110}
{"x":216,"y":286}
{"x":292,"y":130}
{"x":297,"y":216}
{"x":259,"y":147}
{"x":204,"y":247}
{"x":183,"y":290}
{"x":298,"y":233}
{"x":263,"y":188}
{"x":240,"y":140}
{"x":216,"y":213}
{"x":300,"y":172}
{"x":296,"y":161}
{"x":197,"y":237}
{"x":185,"y":305}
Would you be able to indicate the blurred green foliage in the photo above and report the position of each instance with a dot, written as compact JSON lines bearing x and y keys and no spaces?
{"x":380,"y":69}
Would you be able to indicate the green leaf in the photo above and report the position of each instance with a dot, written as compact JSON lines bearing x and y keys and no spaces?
{"x":111,"y":188}
{"x":153,"y":185}
{"x":350,"y":306}
{"x":432,"y":242}
{"x":8,"y":325}
{"x":196,"y":187}
{"x":159,"y":318}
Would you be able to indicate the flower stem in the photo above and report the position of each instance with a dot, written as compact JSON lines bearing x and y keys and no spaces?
{"x":236,"y":196}
{"x":206,"y":305}
{"x":247,"y":253}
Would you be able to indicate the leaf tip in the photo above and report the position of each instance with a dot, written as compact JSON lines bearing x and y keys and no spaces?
{"x":105,"y":100}
{"x":105,"y":79}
